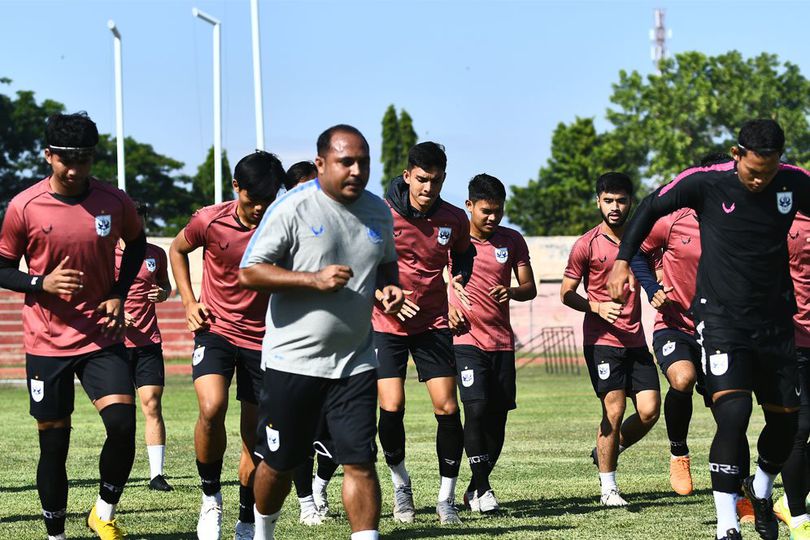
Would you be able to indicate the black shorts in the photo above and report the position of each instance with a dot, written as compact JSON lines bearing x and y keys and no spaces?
{"x":486,"y":376}
{"x":50,"y":379}
{"x":215,"y":355}
{"x":323,"y":444}
{"x":146,"y":365}
{"x":761,"y":360}
{"x":290,"y":410}
{"x":621,"y":368}
{"x":432,"y":352}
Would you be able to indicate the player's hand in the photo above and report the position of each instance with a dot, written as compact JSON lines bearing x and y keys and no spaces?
{"x":393,"y":299}
{"x":157,"y":294}
{"x":332,"y":278}
{"x":64,"y":281}
{"x":197,"y":316}
{"x":112,"y":317}
{"x":501,"y":294}
{"x":461,"y":294}
{"x":129,"y":320}
{"x":609,"y":311}
{"x":456,"y":320}
{"x":620,"y":277}
{"x":660,"y":298}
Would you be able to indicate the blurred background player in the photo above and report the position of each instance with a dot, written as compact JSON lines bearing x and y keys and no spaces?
{"x":484,"y":342}
{"x":616,"y":352}
{"x":228,"y":326}
{"x":300,"y":173}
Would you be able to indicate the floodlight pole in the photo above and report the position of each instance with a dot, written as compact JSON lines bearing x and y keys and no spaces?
{"x":217,"y":103}
{"x":257,"y":73}
{"x":119,"y":105}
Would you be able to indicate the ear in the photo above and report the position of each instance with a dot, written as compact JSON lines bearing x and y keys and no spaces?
{"x":735,"y":153}
{"x":469,"y":205}
{"x":320,"y":163}
{"x":48,"y":156}
{"x":235,"y":185}
{"x":406,"y":175}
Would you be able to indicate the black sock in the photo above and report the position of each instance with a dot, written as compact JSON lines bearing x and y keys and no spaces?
{"x":731,"y":414}
{"x":302,"y":478}
{"x":52,"y":483}
{"x":678,"y":414}
{"x":246,"y":502}
{"x":326,"y":467}
{"x":744,"y":462}
{"x":475,"y":445}
{"x":210,"y":474}
{"x":495,"y":433}
{"x":392,"y":436}
{"x":118,"y":452}
{"x":449,"y":443}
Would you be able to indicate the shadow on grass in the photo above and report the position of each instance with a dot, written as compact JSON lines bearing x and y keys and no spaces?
{"x":438,"y":531}
{"x":91,"y":482}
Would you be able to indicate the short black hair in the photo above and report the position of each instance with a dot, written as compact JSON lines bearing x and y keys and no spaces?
{"x":715,"y":158}
{"x":614,"y":182}
{"x":764,"y":136}
{"x":325,"y":139}
{"x":71,"y":131}
{"x":261,"y":174}
{"x":485,"y":187}
{"x":428,"y":156}
{"x":299,"y":172}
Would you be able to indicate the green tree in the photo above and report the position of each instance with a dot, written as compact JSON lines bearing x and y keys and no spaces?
{"x":203,"y":181}
{"x":407,"y":138}
{"x":398,"y":136}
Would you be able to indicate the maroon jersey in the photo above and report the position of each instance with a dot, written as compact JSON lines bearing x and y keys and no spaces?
{"x":45,"y":228}
{"x":237,"y":314}
{"x":423,"y":250}
{"x":154,"y":270}
{"x":799,"y":250}
{"x":591,"y":260}
{"x":496,"y":259}
{"x":678,"y":235}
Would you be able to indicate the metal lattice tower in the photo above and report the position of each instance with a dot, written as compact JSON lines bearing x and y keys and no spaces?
{"x":659,"y":36}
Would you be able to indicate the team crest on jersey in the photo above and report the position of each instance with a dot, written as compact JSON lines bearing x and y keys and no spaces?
{"x":374,"y":235}
{"x":103,"y":225}
{"x":37,"y":390}
{"x":668,"y":348}
{"x":718,"y":363}
{"x":272,"y":438}
{"x":444,"y":235}
{"x":467,"y":378}
{"x":603,"y":370}
{"x":501,"y":254}
{"x":784,"y":201}
{"x":198,"y":355}
{"x":151,"y":264}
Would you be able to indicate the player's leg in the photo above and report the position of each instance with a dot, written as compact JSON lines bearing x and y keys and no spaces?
{"x":645,"y":391}
{"x":474,"y":378}
{"x":302,"y":478}
{"x":325,"y":455}
{"x":249,"y":382}
{"x":147,"y":365}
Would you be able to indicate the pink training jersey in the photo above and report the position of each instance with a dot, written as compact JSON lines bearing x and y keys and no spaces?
{"x":496,"y":260}
{"x":237,"y":314}
{"x":154,"y":270}
{"x":423,"y":250}
{"x":678,"y":235}
{"x":799,"y":250}
{"x":591,"y":260}
{"x":45,"y":228}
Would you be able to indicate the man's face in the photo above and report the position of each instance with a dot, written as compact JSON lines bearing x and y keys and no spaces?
{"x":485,"y":215}
{"x":251,"y":209}
{"x":71,"y":170}
{"x":754,"y":170}
{"x":423,"y":187}
{"x":343,"y":172}
{"x":614,"y":207}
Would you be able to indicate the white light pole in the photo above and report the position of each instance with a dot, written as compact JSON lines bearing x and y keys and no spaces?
{"x":119,"y":105}
{"x":257,"y":73}
{"x":217,"y":105}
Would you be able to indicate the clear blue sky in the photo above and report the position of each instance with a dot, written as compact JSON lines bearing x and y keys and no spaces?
{"x":490,"y":80}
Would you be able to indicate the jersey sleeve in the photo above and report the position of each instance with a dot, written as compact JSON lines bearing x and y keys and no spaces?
{"x":132,"y":224}
{"x":577,"y":267}
{"x":803,"y":193}
{"x":272,"y":241}
{"x":163,"y":266}
{"x":390,"y":253}
{"x":196,"y":228}
{"x":657,"y":239}
{"x":13,"y":237}
{"x":521,"y":252}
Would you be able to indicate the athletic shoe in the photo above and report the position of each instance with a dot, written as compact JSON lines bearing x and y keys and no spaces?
{"x":159,"y":483}
{"x":243,"y":531}
{"x":612,"y":498}
{"x":487,"y":503}
{"x":800,"y":532}
{"x":732,"y":534}
{"x":106,"y":530}
{"x":745,"y":512}
{"x":471,"y":501}
{"x":595,"y":457}
{"x":781,"y":510}
{"x":321,"y":501}
{"x":309,"y":513}
{"x":447,"y":512}
{"x":404,"y":511}
{"x":209,"y":525}
{"x":680,"y":475}
{"x":58,"y":537}
{"x":764,"y":520}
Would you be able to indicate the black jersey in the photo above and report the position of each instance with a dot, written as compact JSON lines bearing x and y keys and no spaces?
{"x":743,"y":275}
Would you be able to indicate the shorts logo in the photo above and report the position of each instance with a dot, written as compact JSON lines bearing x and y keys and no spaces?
{"x":668,"y":348}
{"x":501,"y":254}
{"x":198,"y":355}
{"x":444,"y":235}
{"x":718,"y":363}
{"x":37,"y":390}
{"x":272,"y":438}
{"x":604,"y":371}
{"x":151,"y":264}
{"x":784,"y":201}
{"x":103,"y":225}
{"x":467,"y":378}
{"x":374,"y":235}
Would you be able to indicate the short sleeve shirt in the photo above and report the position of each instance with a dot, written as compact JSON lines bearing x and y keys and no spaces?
{"x":799,"y":251}
{"x":154,"y":270}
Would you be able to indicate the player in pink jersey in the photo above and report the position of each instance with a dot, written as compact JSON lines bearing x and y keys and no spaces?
{"x":429,"y":234}
{"x":66,"y":226}
{"x":484,"y":343}
{"x":228,"y":325}
{"x":615,"y":350}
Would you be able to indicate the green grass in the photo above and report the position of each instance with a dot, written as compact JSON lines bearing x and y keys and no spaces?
{"x":545,"y":481}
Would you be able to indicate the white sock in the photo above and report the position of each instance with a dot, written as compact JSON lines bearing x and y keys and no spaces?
{"x":366,"y":535}
{"x":215,"y":498}
{"x":447,"y":489}
{"x":57,"y":537}
{"x":157,"y":454}
{"x":763,"y":483}
{"x":726,"y":506}
{"x":399,"y":475}
{"x":608,"y":481}
{"x":622,"y":449}
{"x":319,"y":484}
{"x":105,"y":510}
{"x":672,"y":458}
{"x":265,"y":526}
{"x":307,"y":501}
{"x":795,"y":521}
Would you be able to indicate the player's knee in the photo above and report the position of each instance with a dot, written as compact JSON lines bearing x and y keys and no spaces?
{"x":475,"y":411}
{"x":54,"y":443}
{"x":119,"y":422}
{"x":151,"y":407}
{"x":649,"y":414}
{"x":445,"y":408}
{"x":732,"y":412}
{"x":212,"y":414}
{"x":682,"y":380}
{"x":360,"y":471}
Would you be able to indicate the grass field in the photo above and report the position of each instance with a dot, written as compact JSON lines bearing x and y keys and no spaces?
{"x":545,"y":481}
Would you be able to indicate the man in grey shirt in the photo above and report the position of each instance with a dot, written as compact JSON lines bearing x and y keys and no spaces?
{"x":322,"y":250}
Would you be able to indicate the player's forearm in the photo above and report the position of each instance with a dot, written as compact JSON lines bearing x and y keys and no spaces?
{"x":523,"y":292}
{"x":640,"y":265}
{"x":131,"y":261}
{"x":182,"y":275}
{"x":13,"y":279}
{"x":387,"y":274}
{"x":462,"y":263}
{"x":576,"y":301}
{"x":270,"y":278}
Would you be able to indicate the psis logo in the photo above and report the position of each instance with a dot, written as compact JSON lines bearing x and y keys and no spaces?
{"x":37,"y":390}
{"x":718,"y":363}
{"x":604,"y":371}
{"x":501,"y":254}
{"x":467,"y":378}
{"x":198,"y":355}
{"x":374,"y":235}
{"x":784,"y":201}
{"x":272,"y":438}
{"x":444,"y":235}
{"x":103,"y":225}
{"x":668,"y":348}
{"x":151,"y":264}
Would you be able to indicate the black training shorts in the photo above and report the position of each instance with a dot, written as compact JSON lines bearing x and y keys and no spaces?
{"x":631,"y":369}
{"x":215,"y":355}
{"x":487,"y":376}
{"x":432,"y":352}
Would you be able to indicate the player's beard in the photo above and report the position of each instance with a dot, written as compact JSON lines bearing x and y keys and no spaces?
{"x":616,"y":225}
